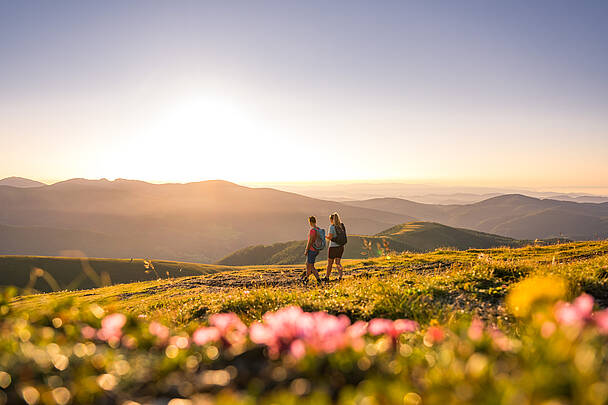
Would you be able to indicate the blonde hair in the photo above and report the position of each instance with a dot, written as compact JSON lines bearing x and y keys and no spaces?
{"x":336,"y":218}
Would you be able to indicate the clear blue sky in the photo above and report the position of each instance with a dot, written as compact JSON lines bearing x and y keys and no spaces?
{"x":468,"y":92}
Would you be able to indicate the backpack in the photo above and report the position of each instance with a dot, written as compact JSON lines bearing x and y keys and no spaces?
{"x":319,"y":243}
{"x":340,"y":236}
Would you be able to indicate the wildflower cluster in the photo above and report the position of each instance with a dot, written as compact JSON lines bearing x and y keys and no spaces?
{"x":85,"y":355}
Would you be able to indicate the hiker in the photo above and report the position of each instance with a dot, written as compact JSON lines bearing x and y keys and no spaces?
{"x":337,"y":236}
{"x":316,"y":243}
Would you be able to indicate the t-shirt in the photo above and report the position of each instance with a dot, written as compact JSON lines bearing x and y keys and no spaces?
{"x":313,"y":233}
{"x":332,"y":230}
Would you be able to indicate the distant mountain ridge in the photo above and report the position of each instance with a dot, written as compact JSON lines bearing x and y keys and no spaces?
{"x":412,"y":237}
{"x":198,"y":222}
{"x":20,"y":182}
{"x":205,"y":221}
{"x":514,"y":215}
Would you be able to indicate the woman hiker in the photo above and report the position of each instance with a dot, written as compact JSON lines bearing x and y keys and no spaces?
{"x":337,"y":236}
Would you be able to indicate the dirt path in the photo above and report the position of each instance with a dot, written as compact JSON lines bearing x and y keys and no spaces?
{"x":287,"y":277}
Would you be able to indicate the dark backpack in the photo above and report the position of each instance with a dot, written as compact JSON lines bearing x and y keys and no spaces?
{"x":340,"y":236}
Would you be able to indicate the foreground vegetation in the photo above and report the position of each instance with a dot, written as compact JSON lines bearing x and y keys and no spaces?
{"x":477,"y":326}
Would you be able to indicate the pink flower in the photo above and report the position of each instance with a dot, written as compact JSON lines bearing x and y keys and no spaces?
{"x":500,"y":341}
{"x":204,"y":335}
{"x":227,"y":323}
{"x":297,"y":349}
{"x":111,"y":327}
{"x":547,"y":329}
{"x":379,"y":326}
{"x":291,"y":330}
{"x":159,"y":330}
{"x":357,"y":329}
{"x":88,"y":332}
{"x":475,"y":331}
{"x":576,"y":313}
{"x":601,"y":321}
{"x":435,"y":334}
{"x":401,"y":326}
{"x":231,"y":329}
{"x":584,"y":304}
{"x":260,"y":334}
{"x":355,"y":334}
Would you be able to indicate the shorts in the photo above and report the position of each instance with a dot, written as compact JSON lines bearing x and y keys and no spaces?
{"x":311,"y":256}
{"x":336,"y":252}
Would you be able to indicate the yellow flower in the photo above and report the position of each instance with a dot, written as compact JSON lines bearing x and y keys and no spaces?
{"x":535,"y":291}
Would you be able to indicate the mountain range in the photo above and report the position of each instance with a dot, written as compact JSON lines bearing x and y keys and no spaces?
{"x":516,"y":216}
{"x":199,"y":222}
{"x":206,"y":221}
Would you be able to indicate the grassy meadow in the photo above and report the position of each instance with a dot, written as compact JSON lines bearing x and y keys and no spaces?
{"x":492,"y":326}
{"x":439,"y":285}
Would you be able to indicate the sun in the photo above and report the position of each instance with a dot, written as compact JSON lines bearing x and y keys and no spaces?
{"x":203,"y":138}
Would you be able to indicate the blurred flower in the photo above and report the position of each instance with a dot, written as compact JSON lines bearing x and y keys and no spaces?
{"x":601,"y":321}
{"x":159,"y":330}
{"x":435,"y":334}
{"x":204,"y":335}
{"x":547,"y":329}
{"x":231,"y":329}
{"x":293,"y":330}
{"x":475,"y":331}
{"x":379,"y":326}
{"x":111,"y":327}
{"x":534,"y":291}
{"x":88,"y":332}
{"x":355,"y":334}
{"x":576,"y":313}
{"x":500,"y":341}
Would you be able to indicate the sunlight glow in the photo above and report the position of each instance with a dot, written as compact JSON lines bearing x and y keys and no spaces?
{"x":201,"y":138}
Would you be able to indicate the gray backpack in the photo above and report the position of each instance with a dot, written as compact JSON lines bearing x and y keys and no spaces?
{"x":319,"y":243}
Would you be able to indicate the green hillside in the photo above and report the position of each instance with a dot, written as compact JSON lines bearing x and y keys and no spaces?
{"x":421,"y":286}
{"x":486,"y":320}
{"x":81,"y":273}
{"x":411,"y":237}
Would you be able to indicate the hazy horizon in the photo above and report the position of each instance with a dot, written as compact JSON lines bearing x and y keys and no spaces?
{"x":386,"y":188}
{"x":476,"y":93}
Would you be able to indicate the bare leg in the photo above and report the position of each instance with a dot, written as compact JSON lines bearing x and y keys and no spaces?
{"x":330,"y":263}
{"x":310,"y":268}
{"x":339,"y":266}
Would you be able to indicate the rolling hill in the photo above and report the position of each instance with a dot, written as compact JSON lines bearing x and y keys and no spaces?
{"x":513,"y":215}
{"x":412,"y":237}
{"x":199,"y":222}
{"x":81,"y":273}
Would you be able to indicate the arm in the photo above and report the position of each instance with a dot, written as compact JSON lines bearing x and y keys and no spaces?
{"x":329,"y":234}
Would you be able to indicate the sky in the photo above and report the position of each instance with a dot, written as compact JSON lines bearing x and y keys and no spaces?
{"x":480,"y":93}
